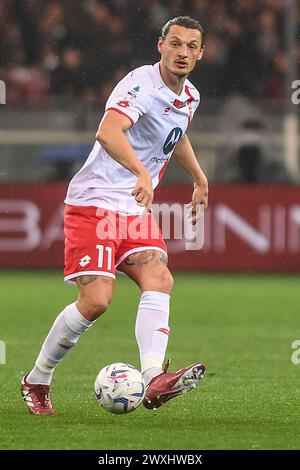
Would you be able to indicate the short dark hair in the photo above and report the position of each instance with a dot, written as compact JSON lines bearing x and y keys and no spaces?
{"x":185,"y":21}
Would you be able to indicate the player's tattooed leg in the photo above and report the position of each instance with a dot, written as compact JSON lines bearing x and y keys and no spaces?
{"x":137,"y":259}
{"x":85,"y":280}
{"x":149,"y":273}
{"x":146,"y":257}
{"x":163,"y":258}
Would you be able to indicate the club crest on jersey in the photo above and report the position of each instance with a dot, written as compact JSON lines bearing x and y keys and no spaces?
{"x":179,"y":104}
{"x":172,"y":140}
{"x":159,"y":160}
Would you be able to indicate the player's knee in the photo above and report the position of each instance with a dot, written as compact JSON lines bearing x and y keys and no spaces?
{"x":93,"y":307}
{"x":167,"y":281}
{"x":97,"y":308}
{"x":164,"y":280}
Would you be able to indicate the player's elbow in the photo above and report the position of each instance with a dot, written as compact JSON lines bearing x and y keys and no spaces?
{"x":102,"y":137}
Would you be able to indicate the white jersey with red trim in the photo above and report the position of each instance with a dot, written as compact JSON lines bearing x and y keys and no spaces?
{"x":159,"y":118}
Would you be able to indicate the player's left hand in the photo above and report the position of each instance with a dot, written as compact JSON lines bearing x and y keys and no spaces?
{"x":199,"y":200}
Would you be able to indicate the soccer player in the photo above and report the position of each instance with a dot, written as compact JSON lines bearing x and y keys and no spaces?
{"x":145,"y":122}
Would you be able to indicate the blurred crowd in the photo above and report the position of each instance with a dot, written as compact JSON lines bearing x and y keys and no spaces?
{"x":81,"y":48}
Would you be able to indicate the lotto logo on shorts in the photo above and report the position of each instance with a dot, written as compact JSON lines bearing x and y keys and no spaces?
{"x":85,"y":260}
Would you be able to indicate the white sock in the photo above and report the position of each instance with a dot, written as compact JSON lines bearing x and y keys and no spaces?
{"x":152,"y":332}
{"x":64,"y":334}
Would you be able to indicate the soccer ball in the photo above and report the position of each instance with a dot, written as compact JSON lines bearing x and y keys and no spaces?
{"x":119,"y":388}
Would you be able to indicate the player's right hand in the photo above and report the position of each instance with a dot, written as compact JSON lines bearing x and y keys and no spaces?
{"x":143,"y":191}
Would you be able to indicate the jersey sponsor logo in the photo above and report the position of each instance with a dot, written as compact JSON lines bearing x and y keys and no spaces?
{"x":172,"y":140}
{"x":123,"y":104}
{"x":158,"y":160}
{"x":166,"y":111}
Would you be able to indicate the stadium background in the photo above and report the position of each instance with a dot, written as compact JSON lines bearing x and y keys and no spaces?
{"x":59,"y":61}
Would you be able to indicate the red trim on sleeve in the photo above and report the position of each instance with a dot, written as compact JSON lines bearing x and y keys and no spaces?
{"x":189,"y":103}
{"x":121,"y":112}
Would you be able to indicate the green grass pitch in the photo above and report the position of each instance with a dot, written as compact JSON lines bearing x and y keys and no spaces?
{"x":241,"y":327}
